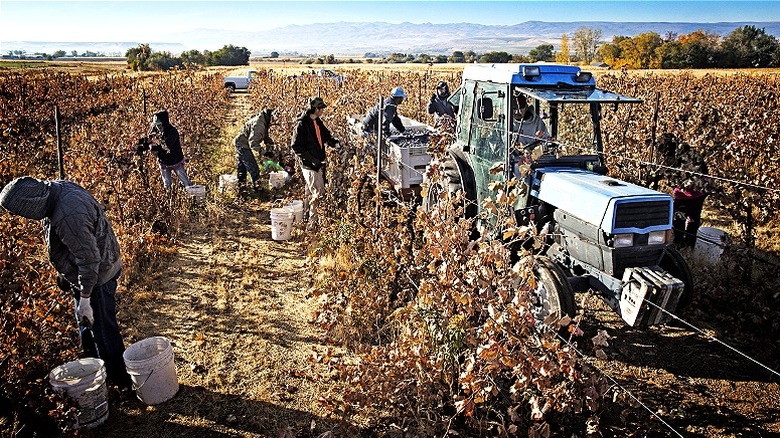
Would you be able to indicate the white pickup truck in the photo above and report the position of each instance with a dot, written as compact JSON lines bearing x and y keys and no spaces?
{"x":234,"y":83}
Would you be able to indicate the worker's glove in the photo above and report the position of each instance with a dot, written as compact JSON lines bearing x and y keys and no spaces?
{"x":84,"y":311}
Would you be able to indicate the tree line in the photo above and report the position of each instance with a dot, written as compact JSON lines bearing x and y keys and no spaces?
{"x":745,"y":47}
{"x":144,"y":58}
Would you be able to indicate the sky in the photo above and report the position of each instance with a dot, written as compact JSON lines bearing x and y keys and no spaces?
{"x":155,"y":20}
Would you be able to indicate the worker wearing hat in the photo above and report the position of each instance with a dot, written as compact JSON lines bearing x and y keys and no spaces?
{"x":308,"y":142}
{"x":84,"y":252}
{"x":438,"y":105}
{"x":248,"y":140}
{"x":390,"y":112}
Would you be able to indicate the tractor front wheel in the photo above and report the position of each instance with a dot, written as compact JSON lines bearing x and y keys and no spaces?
{"x":553,"y":296}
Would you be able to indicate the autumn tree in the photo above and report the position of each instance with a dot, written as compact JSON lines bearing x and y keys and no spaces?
{"x":640,"y":51}
{"x":229,"y":55}
{"x":457,"y":56}
{"x":749,"y":46}
{"x":164,"y":61}
{"x":495,"y":57}
{"x":542,"y":52}
{"x":695,"y":50}
{"x":586,"y":41}
{"x":138,"y":57}
{"x":193,"y":57}
{"x":563,"y":56}
{"x":611,"y":53}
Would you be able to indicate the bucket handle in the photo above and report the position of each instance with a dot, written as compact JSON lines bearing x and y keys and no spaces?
{"x":144,"y":383}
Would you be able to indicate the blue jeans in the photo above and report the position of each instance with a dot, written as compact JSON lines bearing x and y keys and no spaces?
{"x":247,"y":162}
{"x":181,"y":173}
{"x":105,"y":329}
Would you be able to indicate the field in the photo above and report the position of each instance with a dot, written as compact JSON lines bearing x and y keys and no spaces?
{"x":350,"y":332}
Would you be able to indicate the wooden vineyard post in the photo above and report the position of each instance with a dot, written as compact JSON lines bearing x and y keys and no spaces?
{"x":380,"y":138}
{"x":60,"y":159}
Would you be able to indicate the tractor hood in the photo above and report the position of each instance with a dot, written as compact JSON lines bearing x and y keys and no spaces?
{"x":612,"y":205}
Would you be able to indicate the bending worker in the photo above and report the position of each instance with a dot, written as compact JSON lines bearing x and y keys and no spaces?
{"x":390,"y":113}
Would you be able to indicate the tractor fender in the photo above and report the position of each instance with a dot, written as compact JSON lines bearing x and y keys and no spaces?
{"x":467,"y":179}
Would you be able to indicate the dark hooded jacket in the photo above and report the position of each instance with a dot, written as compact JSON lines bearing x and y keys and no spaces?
{"x":171,"y":154}
{"x":305,"y":144}
{"x":390,"y":116}
{"x":81,"y":243}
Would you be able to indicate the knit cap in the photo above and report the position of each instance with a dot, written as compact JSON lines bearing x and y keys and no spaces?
{"x":26,"y":196}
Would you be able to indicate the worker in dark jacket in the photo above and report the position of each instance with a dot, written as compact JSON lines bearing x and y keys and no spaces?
{"x":438,"y":105}
{"x":164,"y":140}
{"x":390,"y":113}
{"x":250,"y":136}
{"x":682,"y":172}
{"x":84,"y":251}
{"x":308,"y":143}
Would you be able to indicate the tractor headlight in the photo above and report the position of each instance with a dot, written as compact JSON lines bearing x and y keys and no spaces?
{"x":623,"y":240}
{"x":658,"y":237}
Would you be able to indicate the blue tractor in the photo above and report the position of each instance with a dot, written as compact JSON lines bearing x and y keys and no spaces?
{"x":540,"y":125}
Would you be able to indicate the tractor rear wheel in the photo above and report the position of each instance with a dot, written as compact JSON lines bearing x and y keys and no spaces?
{"x":674,"y":263}
{"x":553,"y":296}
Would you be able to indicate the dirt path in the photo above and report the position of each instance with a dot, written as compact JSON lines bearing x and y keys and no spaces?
{"x":233,"y":304}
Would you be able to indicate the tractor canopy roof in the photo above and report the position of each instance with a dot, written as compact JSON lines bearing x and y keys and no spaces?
{"x":531,"y":75}
{"x":587,"y":95}
{"x":546,"y":82}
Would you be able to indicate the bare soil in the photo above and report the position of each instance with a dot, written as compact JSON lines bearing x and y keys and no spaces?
{"x":234,"y":304}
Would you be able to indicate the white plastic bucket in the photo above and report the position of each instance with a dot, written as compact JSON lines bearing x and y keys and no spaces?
{"x":228,"y":182}
{"x":297,"y":208}
{"x":150,"y":364}
{"x":277,"y":179}
{"x":197,"y":192}
{"x":710,"y":243}
{"x":281,"y":223}
{"x":84,"y":381}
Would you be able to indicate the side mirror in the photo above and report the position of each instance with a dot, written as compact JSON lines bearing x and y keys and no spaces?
{"x":485,"y":107}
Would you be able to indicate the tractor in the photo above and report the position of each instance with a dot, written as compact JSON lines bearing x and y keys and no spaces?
{"x":599,"y":232}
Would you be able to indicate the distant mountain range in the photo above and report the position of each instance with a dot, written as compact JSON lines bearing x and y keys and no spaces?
{"x":356,"y":39}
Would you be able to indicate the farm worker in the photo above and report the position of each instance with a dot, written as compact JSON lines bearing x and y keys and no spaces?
{"x":164,"y":140}
{"x":527,"y":129}
{"x":681,"y":175}
{"x":526,"y":124}
{"x":253,"y":132}
{"x":390,"y":108}
{"x":438,"y":105}
{"x":85,"y":253}
{"x":308,"y":143}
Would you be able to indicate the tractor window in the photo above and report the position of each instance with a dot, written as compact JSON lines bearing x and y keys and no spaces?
{"x":488,"y":145}
{"x":466,"y":102}
{"x":488,"y":138}
{"x":575,"y":134}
